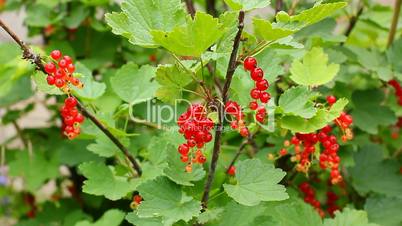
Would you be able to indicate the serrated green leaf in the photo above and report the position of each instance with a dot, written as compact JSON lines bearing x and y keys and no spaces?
{"x":103,"y":147}
{"x":40,"y":169}
{"x":133,"y":84}
{"x":372,"y":174}
{"x":369,"y":113}
{"x":102,"y":181}
{"x":394,"y":53}
{"x":112,"y":217}
{"x":235,"y":214}
{"x":210,"y":215}
{"x":384,"y":211}
{"x":163,"y":198}
{"x":92,"y":89}
{"x":193,"y":38}
{"x":140,"y":17}
{"x":256,"y":182}
{"x":349,"y":217}
{"x":41,"y":84}
{"x":271,"y":32}
{"x":301,"y":125}
{"x":247,"y":4}
{"x":296,"y":101}
{"x":317,"y":13}
{"x":313,"y":69}
{"x":135,"y":220}
{"x":176,"y":169}
{"x":172,"y":81}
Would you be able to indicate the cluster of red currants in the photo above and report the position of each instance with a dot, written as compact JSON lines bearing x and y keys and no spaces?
{"x":72,"y":119}
{"x":259,"y":91}
{"x":60,"y":72}
{"x":233,"y":108}
{"x":329,"y":157}
{"x":309,"y":197}
{"x":331,"y":203}
{"x":398,"y":90}
{"x":195,"y":127}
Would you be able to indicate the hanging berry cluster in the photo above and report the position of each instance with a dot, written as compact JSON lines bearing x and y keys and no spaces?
{"x":309,"y":197}
{"x":398,"y":90}
{"x":195,"y":127}
{"x":72,"y":119}
{"x":331,"y":203}
{"x":259,"y":91}
{"x":60,"y":72}
{"x":305,"y":146}
{"x":233,"y":108}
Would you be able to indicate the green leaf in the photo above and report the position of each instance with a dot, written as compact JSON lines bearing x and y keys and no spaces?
{"x":193,"y":38}
{"x":317,"y":13}
{"x":296,"y":101}
{"x":210,"y":215}
{"x":299,"y":124}
{"x":133,"y":84}
{"x":369,"y":112}
{"x":164,"y":199}
{"x":394,"y":53}
{"x":103,"y":147}
{"x":349,"y":217}
{"x":134,"y":219}
{"x":78,"y":13}
{"x":102,"y":181}
{"x":256,"y":182}
{"x":271,"y":32}
{"x":40,"y":169}
{"x":240,"y":88}
{"x":140,"y":17}
{"x":172,"y":81}
{"x":112,"y":217}
{"x":372,"y":174}
{"x":92,"y":89}
{"x":41,"y":84}
{"x":247,"y":4}
{"x":384,"y":211}
{"x":235,"y":214}
{"x":313,"y":69}
{"x":176,"y":169}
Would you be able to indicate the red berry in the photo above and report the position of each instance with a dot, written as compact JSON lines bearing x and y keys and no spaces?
{"x":257,"y":74}
{"x":137,"y":199}
{"x":244,"y":132}
{"x":265,"y":97}
{"x":262,"y":85}
{"x":331,"y":99}
{"x":183,"y":149}
{"x":50,"y":68}
{"x":79,"y":118}
{"x":184,"y":158}
{"x":59,"y":83}
{"x":68,"y":60}
{"x":69,"y":120}
{"x":201,"y":159}
{"x":63,"y":63}
{"x":283,"y":152}
{"x":50,"y":80}
{"x":250,"y":63}
{"x":59,"y":73}
{"x":70,"y":102}
{"x":71,"y":68}
{"x":234,"y":124}
{"x":260,"y":117}
{"x":253,"y":105}
{"x":75,"y":81}
{"x":255,"y":93}
{"x":55,"y":54}
{"x":191,"y":143}
{"x":232,"y":171}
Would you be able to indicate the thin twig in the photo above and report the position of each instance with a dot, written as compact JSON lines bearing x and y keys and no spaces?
{"x":28,"y":54}
{"x":211,"y":8}
{"x":190,"y":7}
{"x":19,"y":132}
{"x":278,"y":6}
{"x":395,"y":18}
{"x":219,"y":129}
{"x":250,"y":140}
{"x":291,"y":11}
{"x":353,"y":20}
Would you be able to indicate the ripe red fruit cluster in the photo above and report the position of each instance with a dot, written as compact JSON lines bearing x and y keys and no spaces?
{"x":344,"y":121}
{"x":234,"y":109}
{"x":60,"y":72}
{"x":259,"y":91}
{"x":231,"y":171}
{"x":72,"y":119}
{"x":331,"y":203}
{"x":329,"y":157}
{"x":398,"y":90}
{"x":309,"y":197}
{"x":195,"y":127}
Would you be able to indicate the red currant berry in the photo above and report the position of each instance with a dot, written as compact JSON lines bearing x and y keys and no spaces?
{"x":283,"y":152}
{"x":59,"y":83}
{"x":75,"y":81}
{"x":260,"y":117}
{"x":50,"y":80}
{"x":208,"y":137}
{"x":255,"y":93}
{"x":63,"y":63}
{"x":265,"y":97}
{"x":250,"y":63}
{"x":232,"y":171}
{"x":71,"y":68}
{"x":59,"y":73}
{"x":79,"y":118}
{"x":137,"y":199}
{"x":50,"y":68}
{"x":253,"y":105}
{"x":201,"y":159}
{"x":69,"y":120}
{"x":244,"y":132}
{"x":262,"y":85}
{"x":234,"y":124}
{"x":55,"y":54}
{"x":184,"y":158}
{"x":183,"y":149}
{"x":68,"y":60}
{"x":70,"y":102}
{"x":257,"y":74}
{"x":331,"y":99}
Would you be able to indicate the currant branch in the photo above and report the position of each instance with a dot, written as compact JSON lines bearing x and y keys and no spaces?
{"x":219,"y":128}
{"x":190,"y":7}
{"x":29,"y":55}
{"x":240,"y":150}
{"x":395,"y":18}
{"x":211,"y":9}
{"x":353,"y":20}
